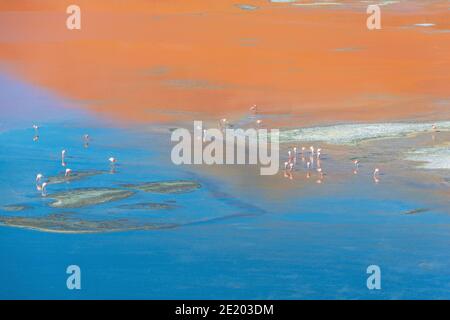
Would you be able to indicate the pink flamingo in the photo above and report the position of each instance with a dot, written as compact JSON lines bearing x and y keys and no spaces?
{"x":68,"y":172}
{"x":356,"y":163}
{"x":319,"y":170}
{"x":291,"y":166}
{"x":39,"y":177}
{"x":63,"y":157}
{"x":86,"y":140}
{"x":44,"y":189}
{"x":376,"y":174}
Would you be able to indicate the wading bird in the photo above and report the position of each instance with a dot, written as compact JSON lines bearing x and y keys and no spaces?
{"x":63,"y":158}
{"x":44,"y":189}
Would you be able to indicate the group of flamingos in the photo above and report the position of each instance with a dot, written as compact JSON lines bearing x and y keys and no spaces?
{"x":289,"y":165}
{"x":41,"y":185}
{"x":311,"y":157}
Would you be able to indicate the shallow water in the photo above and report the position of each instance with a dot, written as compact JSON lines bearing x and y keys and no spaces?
{"x":345,"y":134}
{"x":235,"y":234}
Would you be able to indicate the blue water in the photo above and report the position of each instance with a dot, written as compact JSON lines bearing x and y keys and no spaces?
{"x":236,"y":239}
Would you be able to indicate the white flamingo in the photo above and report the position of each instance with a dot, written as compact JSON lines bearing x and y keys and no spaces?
{"x":68,"y":172}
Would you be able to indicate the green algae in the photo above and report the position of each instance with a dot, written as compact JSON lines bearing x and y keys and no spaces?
{"x":15,"y":207}
{"x":87,"y":196}
{"x":166,"y":187}
{"x":414,"y":211}
{"x":65,"y":224}
{"x":75,"y":176}
{"x":147,"y":206}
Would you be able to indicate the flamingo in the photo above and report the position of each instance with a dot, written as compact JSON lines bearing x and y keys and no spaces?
{"x":112,"y":160}
{"x":254,"y":108}
{"x":291,"y":166}
{"x":258,"y":122}
{"x":376,"y":172}
{"x":356,"y":163}
{"x":319,"y":170}
{"x":68,"y":172}
{"x":39,"y":177}
{"x":308,"y":165}
{"x":312,"y":150}
{"x":63,"y":157}
{"x":43,"y":189}
{"x":286,"y":164}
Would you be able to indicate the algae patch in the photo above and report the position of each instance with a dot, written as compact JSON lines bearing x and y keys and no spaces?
{"x":147,"y":206}
{"x":166,"y":187}
{"x":88,"y":196}
{"x":64,"y":224}
{"x":415,"y":211}
{"x":15,"y":207}
{"x":61,"y":178}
